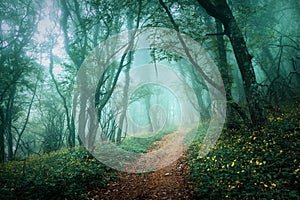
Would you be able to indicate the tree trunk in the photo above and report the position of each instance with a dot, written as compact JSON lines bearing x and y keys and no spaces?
{"x":2,"y":129}
{"x":83,"y":107}
{"x":223,"y":67}
{"x":9,"y":116}
{"x":148,"y":106}
{"x":18,"y":142}
{"x":220,"y":10}
{"x":93,"y":125}
{"x":69,"y":116}
{"x":227,"y":79}
{"x":127,"y":69}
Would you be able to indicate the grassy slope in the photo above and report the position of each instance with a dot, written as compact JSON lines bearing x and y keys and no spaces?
{"x":262,"y":164}
{"x":62,"y":174}
{"x":58,"y":175}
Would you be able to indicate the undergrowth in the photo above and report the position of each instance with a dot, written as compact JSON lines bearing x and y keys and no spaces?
{"x":142,"y":144}
{"x":261,"y":164}
{"x":64,"y":174}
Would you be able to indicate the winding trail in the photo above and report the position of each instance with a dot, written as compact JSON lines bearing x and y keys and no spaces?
{"x":170,"y":182}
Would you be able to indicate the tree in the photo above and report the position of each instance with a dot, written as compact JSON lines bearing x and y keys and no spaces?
{"x":17,"y":71}
{"x":131,"y":36}
{"x":70,"y":120}
{"x":221,"y":11}
{"x":53,"y":124}
{"x":227,"y":79}
{"x":84,"y":25}
{"x":272,"y":39}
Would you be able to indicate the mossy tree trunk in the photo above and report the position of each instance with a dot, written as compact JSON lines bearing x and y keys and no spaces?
{"x":220,"y":10}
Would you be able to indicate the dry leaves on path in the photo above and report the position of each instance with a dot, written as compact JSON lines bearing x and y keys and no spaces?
{"x":171,"y":182}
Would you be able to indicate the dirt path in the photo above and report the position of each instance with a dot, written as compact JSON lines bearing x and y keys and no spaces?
{"x":170,"y":182}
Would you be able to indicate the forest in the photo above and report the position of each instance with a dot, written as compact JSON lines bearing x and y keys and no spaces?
{"x":157,"y":99}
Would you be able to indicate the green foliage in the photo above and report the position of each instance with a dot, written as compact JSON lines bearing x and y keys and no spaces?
{"x":142,"y":144}
{"x":65,"y":174}
{"x":262,"y":164}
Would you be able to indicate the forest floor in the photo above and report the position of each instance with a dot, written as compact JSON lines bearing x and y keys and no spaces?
{"x":170,"y":182}
{"x":244,"y":164}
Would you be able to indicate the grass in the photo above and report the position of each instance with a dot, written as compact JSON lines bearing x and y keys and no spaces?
{"x":142,"y":144}
{"x":262,"y":164}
